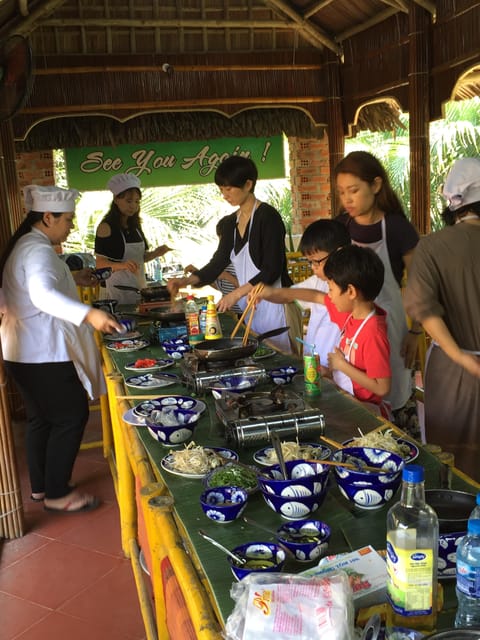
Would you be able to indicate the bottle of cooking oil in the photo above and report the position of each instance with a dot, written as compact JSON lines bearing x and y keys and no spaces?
{"x":213,"y":328}
{"x":412,"y":551}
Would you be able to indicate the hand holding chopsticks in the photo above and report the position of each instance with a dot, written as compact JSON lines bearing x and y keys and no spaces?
{"x":255,"y":292}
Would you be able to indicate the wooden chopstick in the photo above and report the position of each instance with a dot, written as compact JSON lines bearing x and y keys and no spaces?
{"x":253,"y":296}
{"x":348,"y":465}
{"x":334,"y":443}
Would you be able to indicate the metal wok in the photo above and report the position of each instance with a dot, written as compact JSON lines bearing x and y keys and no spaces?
{"x":157,"y":292}
{"x":232,"y":348}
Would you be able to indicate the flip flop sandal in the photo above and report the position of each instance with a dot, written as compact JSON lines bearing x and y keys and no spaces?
{"x":89,"y":505}
{"x":32,"y":497}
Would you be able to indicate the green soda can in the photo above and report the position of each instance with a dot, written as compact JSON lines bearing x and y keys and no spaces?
{"x":312,"y":375}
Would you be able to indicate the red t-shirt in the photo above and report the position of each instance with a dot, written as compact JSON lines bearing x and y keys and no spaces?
{"x":371,"y":351}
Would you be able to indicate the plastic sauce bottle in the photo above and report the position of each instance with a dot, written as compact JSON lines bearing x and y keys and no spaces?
{"x":412,"y":552}
{"x":468,"y":577}
{"x":191,"y":317}
{"x":213,"y":328}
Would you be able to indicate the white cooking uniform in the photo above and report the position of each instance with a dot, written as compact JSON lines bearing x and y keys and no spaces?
{"x":43,"y":316}
{"x":268,"y":315}
{"x":390,"y":299}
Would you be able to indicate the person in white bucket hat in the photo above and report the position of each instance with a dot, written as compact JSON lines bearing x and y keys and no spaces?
{"x":443,"y":293}
{"x":120,"y":242}
{"x":49,"y":346}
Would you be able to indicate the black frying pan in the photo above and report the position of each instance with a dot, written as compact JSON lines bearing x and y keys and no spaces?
{"x":157,"y":292}
{"x":232,"y":348}
{"x":452,"y":508}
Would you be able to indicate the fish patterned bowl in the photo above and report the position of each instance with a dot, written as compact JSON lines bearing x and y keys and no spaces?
{"x":233,"y":383}
{"x":172,"y":426}
{"x":177,"y":347}
{"x":260,"y":557}
{"x":294,"y":507}
{"x":283,"y":375}
{"x":368,"y":489}
{"x":305,"y":479}
{"x":223,"y":504}
{"x":306,"y":539}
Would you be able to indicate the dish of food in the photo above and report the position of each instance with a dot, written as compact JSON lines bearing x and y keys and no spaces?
{"x":145,"y":408}
{"x":149,"y":364}
{"x":128,"y":345}
{"x":388,"y":441}
{"x":292,"y":451}
{"x":233,"y":474}
{"x":263,"y":352}
{"x":195,"y":461}
{"x":149,"y":381}
{"x":128,"y":335}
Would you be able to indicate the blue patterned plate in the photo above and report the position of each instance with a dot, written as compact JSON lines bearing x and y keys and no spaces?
{"x":149,"y":381}
{"x":160,"y":363}
{"x":168,"y":463}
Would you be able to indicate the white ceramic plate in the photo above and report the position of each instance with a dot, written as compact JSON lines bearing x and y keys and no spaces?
{"x":144,"y":409}
{"x":148,"y":381}
{"x":129,"y":335}
{"x":166,"y":463}
{"x":414,"y":450}
{"x":128,"y":345}
{"x":161,"y":363}
{"x":322,"y":453}
{"x":266,"y":352}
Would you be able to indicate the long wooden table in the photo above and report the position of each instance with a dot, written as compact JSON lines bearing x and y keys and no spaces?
{"x":177,"y":498}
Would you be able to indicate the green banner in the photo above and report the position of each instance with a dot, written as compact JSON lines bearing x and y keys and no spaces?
{"x":170,"y":163}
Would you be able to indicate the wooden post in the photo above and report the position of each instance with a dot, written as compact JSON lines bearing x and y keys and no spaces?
{"x":419,"y":101}
{"x":336,"y":129}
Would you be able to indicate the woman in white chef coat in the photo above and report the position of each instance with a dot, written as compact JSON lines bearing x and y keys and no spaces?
{"x":120,"y":242}
{"x":49,"y":347}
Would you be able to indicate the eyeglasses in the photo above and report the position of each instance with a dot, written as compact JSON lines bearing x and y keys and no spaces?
{"x":317,"y":263}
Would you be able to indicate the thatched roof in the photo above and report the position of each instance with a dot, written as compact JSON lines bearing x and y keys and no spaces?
{"x":177,"y":70}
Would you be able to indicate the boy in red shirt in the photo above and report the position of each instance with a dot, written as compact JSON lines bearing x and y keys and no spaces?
{"x":361,"y":363}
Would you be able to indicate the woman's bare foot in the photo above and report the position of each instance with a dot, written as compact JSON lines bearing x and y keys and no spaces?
{"x":74,"y":502}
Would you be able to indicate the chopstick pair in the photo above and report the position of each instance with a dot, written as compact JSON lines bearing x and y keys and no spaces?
{"x":257,"y":289}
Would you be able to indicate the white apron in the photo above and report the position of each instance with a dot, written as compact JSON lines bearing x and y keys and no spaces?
{"x":341,"y":379}
{"x":268,"y":315}
{"x":133,"y":251}
{"x":390,"y":299}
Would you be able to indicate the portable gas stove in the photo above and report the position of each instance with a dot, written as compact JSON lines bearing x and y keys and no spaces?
{"x":199,"y":375}
{"x":251,"y":417}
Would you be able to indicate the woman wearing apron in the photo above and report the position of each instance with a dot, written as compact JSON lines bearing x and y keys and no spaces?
{"x":443,"y":293}
{"x":49,"y":346}
{"x":374,"y":217}
{"x":253,"y":240}
{"x":120,"y":242}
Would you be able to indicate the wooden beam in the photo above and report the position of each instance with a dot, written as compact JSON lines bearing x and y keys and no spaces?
{"x":30,"y":23}
{"x":401,"y":5}
{"x":307,"y":29}
{"x":428,"y":5}
{"x":161,"y":105}
{"x":380,"y":17}
{"x":54,"y":71}
{"x":181,"y":23}
{"x":316,"y":7}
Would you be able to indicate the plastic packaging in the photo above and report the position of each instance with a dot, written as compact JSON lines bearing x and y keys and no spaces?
{"x":191,"y":317}
{"x":412,"y":556}
{"x":468,"y":576}
{"x":475,"y":515}
{"x":213,"y":328}
{"x":282,"y":606}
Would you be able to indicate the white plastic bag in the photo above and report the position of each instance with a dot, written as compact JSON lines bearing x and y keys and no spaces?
{"x":282,"y":606}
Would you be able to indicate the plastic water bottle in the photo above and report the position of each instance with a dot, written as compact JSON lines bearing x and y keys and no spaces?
{"x":475,"y":515}
{"x":468,"y":577}
{"x":157,"y":270}
{"x":203,"y":319}
{"x":412,"y":552}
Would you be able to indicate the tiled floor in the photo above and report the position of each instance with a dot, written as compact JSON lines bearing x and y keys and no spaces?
{"x":67,"y":578}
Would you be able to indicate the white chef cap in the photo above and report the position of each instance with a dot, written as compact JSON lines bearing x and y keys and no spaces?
{"x":55,"y":199}
{"x":462,"y":185}
{"x":123,"y":181}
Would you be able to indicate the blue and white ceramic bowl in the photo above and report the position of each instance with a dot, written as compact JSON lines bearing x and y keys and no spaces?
{"x":177,"y":347}
{"x":283,"y":375}
{"x":264,"y":557}
{"x":223,"y":504}
{"x":294,"y":507}
{"x":145,"y":408}
{"x":306,"y":539}
{"x":305,"y":479}
{"x":234,"y":383}
{"x":367,"y":489}
{"x":172,"y":426}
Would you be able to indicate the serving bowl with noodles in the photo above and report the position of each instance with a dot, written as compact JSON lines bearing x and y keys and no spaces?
{"x":387,"y":441}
